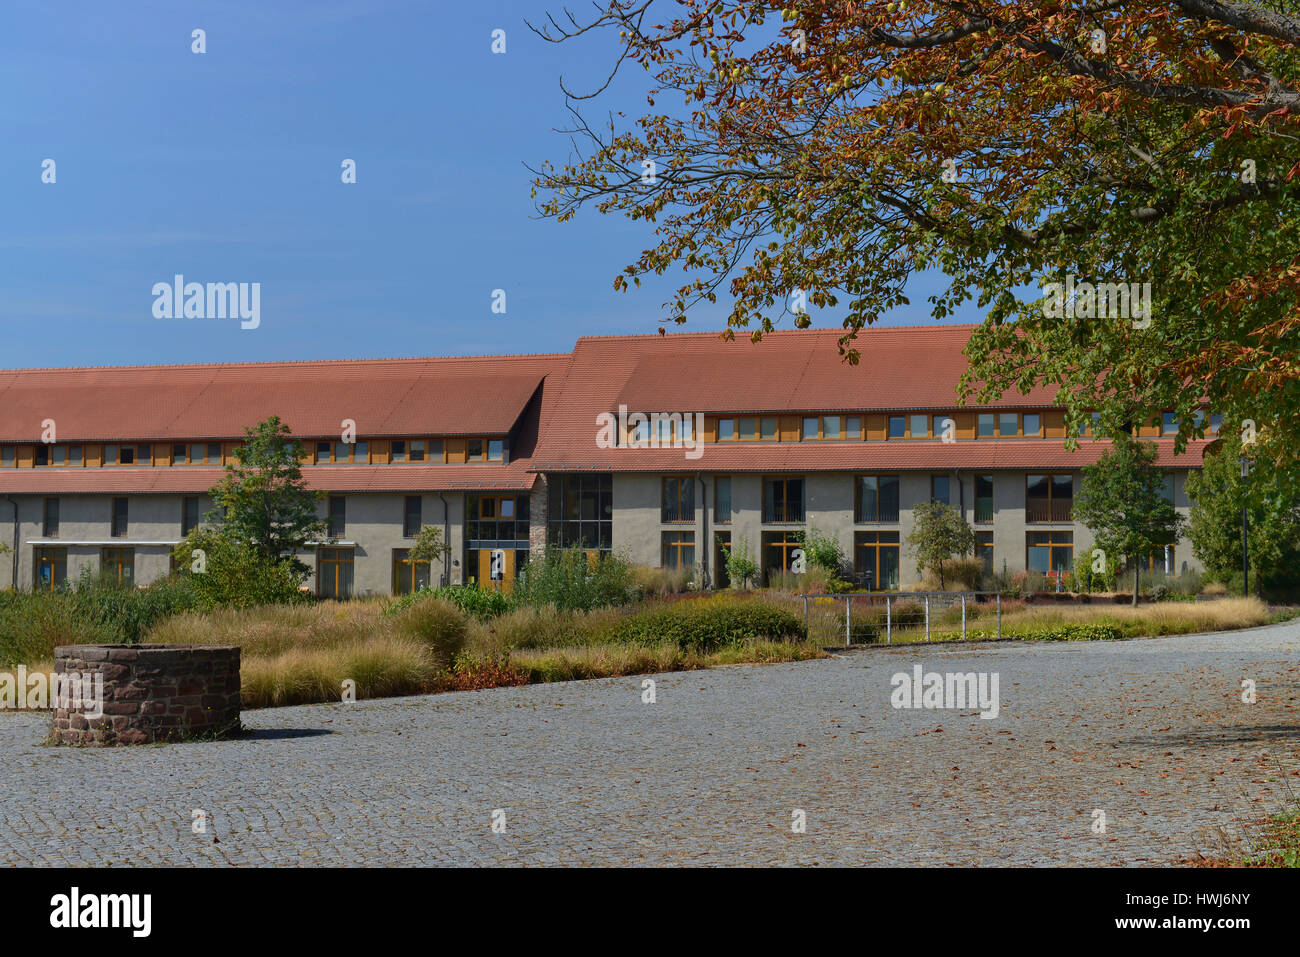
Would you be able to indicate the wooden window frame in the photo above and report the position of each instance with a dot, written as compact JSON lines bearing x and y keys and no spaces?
{"x":945,"y":477}
{"x":113,"y":560}
{"x":1051,"y":546}
{"x":187,"y":459}
{"x":402,"y":557}
{"x":876,"y":541}
{"x":1051,"y":497}
{"x":125,"y":517}
{"x":676,"y":500}
{"x":985,"y":542}
{"x":335,"y":558}
{"x":406,"y":515}
{"x":330,"y":515}
{"x":198,"y":517}
{"x":991,"y":497}
{"x":803,"y":499}
{"x":64,"y":450}
{"x":52,"y":556}
{"x":717,"y":517}
{"x":135,"y":448}
{"x":858,"y":516}
{"x":676,"y":543}
{"x":789,"y":539}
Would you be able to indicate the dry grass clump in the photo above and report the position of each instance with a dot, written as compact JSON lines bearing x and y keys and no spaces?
{"x":381,"y":667}
{"x":546,"y":627}
{"x":661,"y":581}
{"x":1160,"y":618}
{"x":275,"y":629}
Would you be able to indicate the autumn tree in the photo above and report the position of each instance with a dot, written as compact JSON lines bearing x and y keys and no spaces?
{"x":1121,"y":499}
{"x":831,"y":152}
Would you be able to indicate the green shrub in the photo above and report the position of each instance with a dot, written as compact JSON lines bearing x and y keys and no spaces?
{"x":32,"y":625}
{"x":1072,"y":632}
{"x":704,"y":625}
{"x":92,"y":611}
{"x":1087,"y":580}
{"x":235,"y":575}
{"x":571,"y":580}
{"x":742,"y":570}
{"x":438,"y":625}
{"x":548,"y":627}
{"x":1064,"y":632}
{"x":822,"y":551}
{"x":482,"y":603}
{"x":122,"y":613}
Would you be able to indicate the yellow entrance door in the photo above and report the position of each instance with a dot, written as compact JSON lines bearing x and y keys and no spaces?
{"x":504,"y":579}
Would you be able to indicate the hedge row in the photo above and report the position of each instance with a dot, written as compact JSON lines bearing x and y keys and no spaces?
{"x":708,"y":624}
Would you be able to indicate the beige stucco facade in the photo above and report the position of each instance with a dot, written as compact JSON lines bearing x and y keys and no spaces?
{"x":374,"y":525}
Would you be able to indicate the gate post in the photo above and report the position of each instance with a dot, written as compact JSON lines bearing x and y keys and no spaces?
{"x":889,"y":625}
{"x":963,"y":616}
{"x":927,"y":617}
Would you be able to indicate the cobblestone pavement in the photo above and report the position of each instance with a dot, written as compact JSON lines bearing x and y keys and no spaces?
{"x":1152,"y":732}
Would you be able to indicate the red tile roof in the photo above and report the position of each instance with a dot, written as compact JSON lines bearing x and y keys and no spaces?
{"x":385,"y":397}
{"x":901,"y":368}
{"x":331,"y":478}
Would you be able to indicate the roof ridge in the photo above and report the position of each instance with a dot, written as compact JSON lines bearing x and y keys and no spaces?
{"x":837,"y":330}
{"x":286,"y":362}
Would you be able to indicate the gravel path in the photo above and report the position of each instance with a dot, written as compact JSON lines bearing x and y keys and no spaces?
{"x":1152,"y":732}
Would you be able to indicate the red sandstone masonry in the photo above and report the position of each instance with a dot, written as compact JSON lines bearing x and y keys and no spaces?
{"x":151,"y":693}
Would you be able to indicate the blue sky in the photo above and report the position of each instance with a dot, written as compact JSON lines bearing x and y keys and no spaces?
{"x":225,"y":167}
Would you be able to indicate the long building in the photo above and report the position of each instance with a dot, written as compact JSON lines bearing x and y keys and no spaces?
{"x":664,"y":449}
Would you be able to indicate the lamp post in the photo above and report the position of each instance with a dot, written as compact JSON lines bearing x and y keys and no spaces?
{"x":1245,"y":562}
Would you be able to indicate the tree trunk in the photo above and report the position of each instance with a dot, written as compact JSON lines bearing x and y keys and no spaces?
{"x":1135,"y":582}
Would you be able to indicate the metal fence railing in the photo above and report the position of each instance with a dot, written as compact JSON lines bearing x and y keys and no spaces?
{"x":865,"y":617}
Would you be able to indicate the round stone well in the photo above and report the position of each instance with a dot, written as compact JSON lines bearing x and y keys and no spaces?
{"x":141,"y":694}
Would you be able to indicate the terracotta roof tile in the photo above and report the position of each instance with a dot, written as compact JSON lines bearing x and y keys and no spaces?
{"x":470,"y":396}
{"x":194,"y":481}
{"x":901,"y":368}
